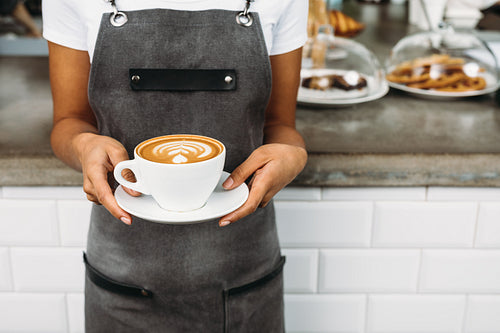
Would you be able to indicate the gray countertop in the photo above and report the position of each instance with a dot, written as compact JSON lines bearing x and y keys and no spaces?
{"x":398,"y":140}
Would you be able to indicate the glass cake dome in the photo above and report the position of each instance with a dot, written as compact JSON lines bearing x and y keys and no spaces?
{"x":442,"y":63}
{"x":338,"y":72}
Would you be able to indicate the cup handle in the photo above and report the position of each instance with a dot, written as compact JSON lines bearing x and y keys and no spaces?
{"x":132,"y":165}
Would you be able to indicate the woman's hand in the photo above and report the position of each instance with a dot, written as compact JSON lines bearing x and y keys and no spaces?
{"x":74,"y":137}
{"x":273,"y":166}
{"x":280,"y":160}
{"x":98,"y":156}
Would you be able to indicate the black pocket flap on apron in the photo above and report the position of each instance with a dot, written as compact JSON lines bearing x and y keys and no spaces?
{"x":182,"y":79}
{"x":107,"y":283}
{"x":252,"y":307}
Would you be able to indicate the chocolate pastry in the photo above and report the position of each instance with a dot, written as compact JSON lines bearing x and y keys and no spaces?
{"x":333,"y":81}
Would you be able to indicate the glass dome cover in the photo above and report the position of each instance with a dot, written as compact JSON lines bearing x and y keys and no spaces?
{"x":339,"y":70}
{"x":442,"y":63}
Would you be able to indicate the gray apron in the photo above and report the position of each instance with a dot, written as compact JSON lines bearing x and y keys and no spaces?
{"x":164,"y":72}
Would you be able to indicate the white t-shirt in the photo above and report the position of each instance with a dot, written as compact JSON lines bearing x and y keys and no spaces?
{"x":75,"y":23}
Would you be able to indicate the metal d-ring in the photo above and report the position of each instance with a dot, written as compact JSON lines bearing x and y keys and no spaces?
{"x":244,"y":18}
{"x":117,"y":19}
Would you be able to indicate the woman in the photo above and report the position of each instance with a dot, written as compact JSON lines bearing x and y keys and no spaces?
{"x":144,"y":276}
{"x":18,"y":11}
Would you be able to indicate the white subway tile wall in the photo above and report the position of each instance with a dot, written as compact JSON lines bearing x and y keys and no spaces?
{"x":463,"y":194}
{"x":301,"y":270}
{"x":44,"y":192}
{"x":5,"y":271}
{"x":424,"y":224}
{"x":415,"y":313}
{"x":28,"y":222}
{"x":74,"y":220}
{"x":368,"y":270}
{"x":324,"y":224}
{"x":76,"y":318}
{"x":482,"y":314}
{"x":299,"y":193}
{"x":325,"y":313}
{"x":375,"y":193}
{"x":361,"y":260}
{"x":33,"y":312}
{"x":460,"y":271}
{"x":47,"y":269}
{"x":488,"y":225}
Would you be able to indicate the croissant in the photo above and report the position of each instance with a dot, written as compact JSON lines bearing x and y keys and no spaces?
{"x":343,"y":25}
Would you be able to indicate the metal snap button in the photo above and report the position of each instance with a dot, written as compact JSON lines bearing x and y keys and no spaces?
{"x":228,"y":79}
{"x":135,"y":78}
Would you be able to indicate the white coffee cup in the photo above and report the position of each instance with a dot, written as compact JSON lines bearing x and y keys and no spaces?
{"x":179,"y":171}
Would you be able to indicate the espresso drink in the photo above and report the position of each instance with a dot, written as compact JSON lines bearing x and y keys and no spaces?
{"x":179,"y":149}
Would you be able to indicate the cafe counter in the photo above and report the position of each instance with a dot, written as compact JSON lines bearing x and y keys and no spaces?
{"x":398,"y":140}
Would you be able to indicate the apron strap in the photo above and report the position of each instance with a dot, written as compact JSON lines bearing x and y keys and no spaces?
{"x":243,"y":18}
{"x":118,"y":18}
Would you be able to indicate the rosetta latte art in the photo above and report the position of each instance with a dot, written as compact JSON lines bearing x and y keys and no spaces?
{"x":183,"y":152}
{"x":179,"y":149}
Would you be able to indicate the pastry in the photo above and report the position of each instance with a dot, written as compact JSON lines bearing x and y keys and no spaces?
{"x":439,"y":72}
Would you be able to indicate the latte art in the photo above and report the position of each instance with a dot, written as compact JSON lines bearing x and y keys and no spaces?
{"x":179,"y":149}
{"x":184,"y":151}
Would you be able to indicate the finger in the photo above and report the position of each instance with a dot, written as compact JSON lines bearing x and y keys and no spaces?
{"x":93,"y":199}
{"x":88,"y":188}
{"x":116,"y":156}
{"x":244,"y":170}
{"x":257,"y":193}
{"x":129,"y":175}
{"x":107,"y":199}
{"x":250,"y":183}
{"x":267,"y":198}
{"x":131,"y":192}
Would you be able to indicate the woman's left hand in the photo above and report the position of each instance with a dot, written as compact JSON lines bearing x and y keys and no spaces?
{"x":273,"y":166}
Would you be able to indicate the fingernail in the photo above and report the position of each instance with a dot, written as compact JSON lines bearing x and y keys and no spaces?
{"x":126,"y":220}
{"x":224,"y":223}
{"x":228,"y":183}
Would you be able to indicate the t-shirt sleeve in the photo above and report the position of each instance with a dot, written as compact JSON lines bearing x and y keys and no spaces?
{"x":62,"y":24}
{"x":290,"y":31}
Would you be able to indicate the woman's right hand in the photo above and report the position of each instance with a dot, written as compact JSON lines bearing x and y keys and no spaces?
{"x":98,"y":156}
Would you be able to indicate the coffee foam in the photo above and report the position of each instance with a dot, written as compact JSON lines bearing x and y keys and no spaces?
{"x":179,"y":149}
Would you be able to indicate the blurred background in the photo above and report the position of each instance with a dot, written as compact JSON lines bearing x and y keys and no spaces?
{"x":393,"y":226}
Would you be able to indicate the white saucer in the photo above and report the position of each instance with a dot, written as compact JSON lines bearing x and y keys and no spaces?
{"x":219,"y":204}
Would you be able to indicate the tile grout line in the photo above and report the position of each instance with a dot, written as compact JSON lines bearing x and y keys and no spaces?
{"x":419,"y":272}
{"x":367,"y":300}
{"x":318,"y":272}
{"x":58,"y":224}
{"x":370,"y":247}
{"x":476,"y":224}
{"x":464,"y":314}
{"x":372,"y":226}
{"x":66,"y":311}
{"x":11,"y":266}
